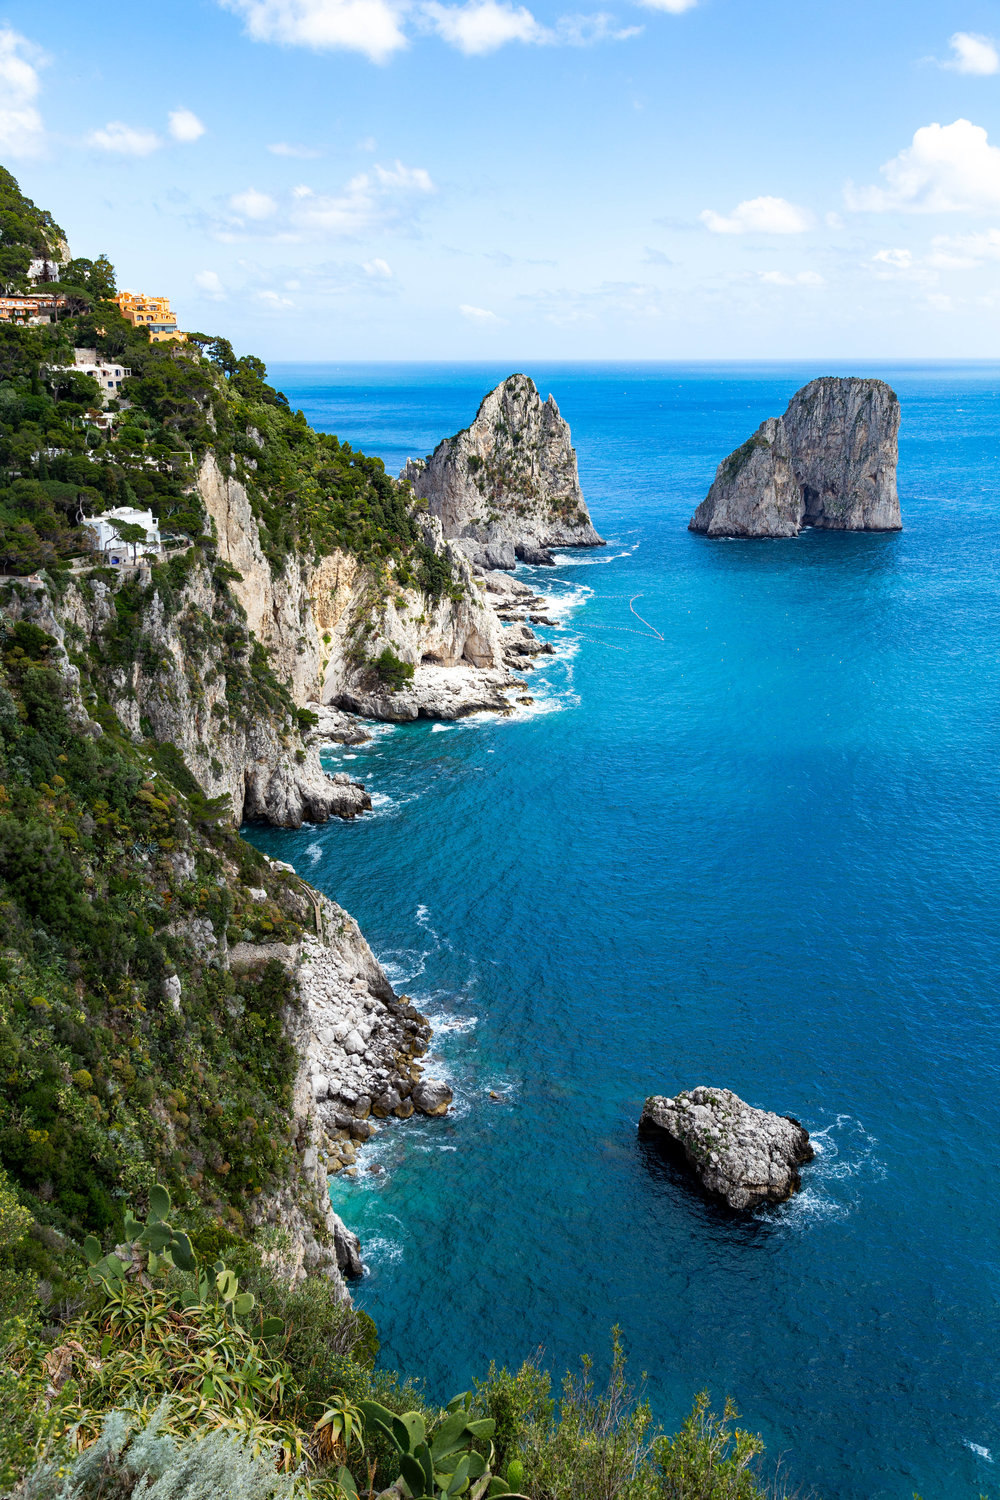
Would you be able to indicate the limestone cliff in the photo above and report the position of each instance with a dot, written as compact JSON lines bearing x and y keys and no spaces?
{"x":829,"y":462}
{"x":324,"y":621}
{"x":507,"y":487}
{"x":176,"y":665}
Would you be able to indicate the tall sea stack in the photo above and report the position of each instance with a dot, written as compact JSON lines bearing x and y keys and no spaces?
{"x":829,"y":462}
{"x":506,"y":489}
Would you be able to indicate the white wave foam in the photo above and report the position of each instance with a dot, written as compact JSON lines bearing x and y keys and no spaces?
{"x":978,"y":1448}
{"x":381,"y":1251}
{"x":314,"y":852}
{"x":441,"y":728}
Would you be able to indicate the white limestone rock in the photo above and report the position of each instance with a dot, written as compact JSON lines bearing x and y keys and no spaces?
{"x":746,"y":1156}
{"x":506,"y":488}
{"x":829,"y":462}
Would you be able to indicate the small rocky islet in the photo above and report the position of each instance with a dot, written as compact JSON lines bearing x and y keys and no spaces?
{"x":745,"y":1156}
{"x":829,"y":462}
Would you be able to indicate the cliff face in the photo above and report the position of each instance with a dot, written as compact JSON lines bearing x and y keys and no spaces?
{"x":829,"y":462}
{"x":507,"y":488}
{"x":178,"y":666}
{"x":324,"y":620}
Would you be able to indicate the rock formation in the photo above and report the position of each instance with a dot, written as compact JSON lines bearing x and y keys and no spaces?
{"x":746,"y":1156}
{"x":506,"y":488}
{"x":322,"y":619}
{"x":829,"y":462}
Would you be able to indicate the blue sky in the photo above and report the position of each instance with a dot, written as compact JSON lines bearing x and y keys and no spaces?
{"x":429,"y":179}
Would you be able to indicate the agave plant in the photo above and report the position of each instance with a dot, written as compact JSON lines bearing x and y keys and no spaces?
{"x":441,"y":1466}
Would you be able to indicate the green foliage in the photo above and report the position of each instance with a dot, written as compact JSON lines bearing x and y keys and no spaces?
{"x":437,"y":1463}
{"x":709,"y":1459}
{"x":390,"y":671}
{"x":25,"y":232}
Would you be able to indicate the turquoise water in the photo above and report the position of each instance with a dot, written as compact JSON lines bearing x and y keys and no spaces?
{"x":761,"y":852}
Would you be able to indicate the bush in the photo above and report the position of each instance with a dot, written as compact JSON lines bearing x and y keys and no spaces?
{"x":390,"y":671}
{"x":129,"y":1458}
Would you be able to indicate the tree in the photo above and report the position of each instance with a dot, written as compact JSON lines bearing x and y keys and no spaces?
{"x":222,"y":353}
{"x":133,"y":536}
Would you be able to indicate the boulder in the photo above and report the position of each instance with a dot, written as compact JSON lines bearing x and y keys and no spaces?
{"x":829,"y":462}
{"x":431,"y":1096}
{"x":746,"y":1156}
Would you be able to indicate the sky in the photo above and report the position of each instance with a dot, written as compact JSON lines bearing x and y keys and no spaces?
{"x":483,"y":179}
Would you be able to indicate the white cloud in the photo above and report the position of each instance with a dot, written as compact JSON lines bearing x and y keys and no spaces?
{"x":302,"y":153}
{"x":253,"y":205}
{"x":378,"y":268}
{"x":940,"y":302}
{"x":478,"y":314}
{"x":370,"y":200}
{"x":185,"y":126}
{"x":758,"y":216}
{"x":901,"y":260}
{"x":964,"y":252}
{"x":368,"y":26}
{"x":21,"y":129}
{"x":674,"y":7}
{"x":273,"y":299}
{"x":800,"y":278}
{"x":409,"y":179}
{"x":302,"y":191}
{"x":210,"y":283}
{"x":973,"y":54}
{"x":483,"y":25}
{"x":833,"y":220}
{"x":124,"y":140}
{"x":948,"y":169}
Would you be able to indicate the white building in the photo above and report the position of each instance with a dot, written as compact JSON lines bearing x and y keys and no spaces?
{"x":109,"y":376}
{"x":108,"y":541}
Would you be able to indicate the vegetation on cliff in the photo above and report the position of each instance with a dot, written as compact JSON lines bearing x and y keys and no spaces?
{"x":167,"y":1354}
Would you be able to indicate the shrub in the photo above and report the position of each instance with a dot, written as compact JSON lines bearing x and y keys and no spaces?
{"x":390,"y":671}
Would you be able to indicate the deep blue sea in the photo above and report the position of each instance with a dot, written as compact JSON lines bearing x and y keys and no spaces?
{"x":756,"y":845}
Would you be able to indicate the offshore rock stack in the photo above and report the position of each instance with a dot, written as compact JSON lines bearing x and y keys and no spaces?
{"x":829,"y":462}
{"x":746,"y":1156}
{"x":506,"y":489}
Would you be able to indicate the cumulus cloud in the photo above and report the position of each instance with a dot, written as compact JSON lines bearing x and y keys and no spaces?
{"x":124,"y":140}
{"x":483,"y":25}
{"x":210,"y":283}
{"x":901,"y":260}
{"x":758,"y":216}
{"x":386,"y":197}
{"x":795,"y":278}
{"x":185,"y":126}
{"x":478,"y":314}
{"x":302,"y":153}
{"x":253,"y":205}
{"x":368,"y":26}
{"x":673,"y":7}
{"x":21,"y":129}
{"x":273,"y":299}
{"x":973,"y":53}
{"x":948,"y":169}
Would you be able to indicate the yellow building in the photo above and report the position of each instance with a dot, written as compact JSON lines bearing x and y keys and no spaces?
{"x":151,"y":313}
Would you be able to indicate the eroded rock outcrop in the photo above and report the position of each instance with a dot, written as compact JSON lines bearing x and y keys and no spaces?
{"x":507,"y":488}
{"x":323,"y":619}
{"x":746,"y":1156}
{"x":829,"y":462}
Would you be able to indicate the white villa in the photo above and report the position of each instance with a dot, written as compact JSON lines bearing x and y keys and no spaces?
{"x":107,"y":540}
{"x":109,"y":376}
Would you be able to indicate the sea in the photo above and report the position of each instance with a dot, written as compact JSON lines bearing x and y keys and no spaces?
{"x":746,"y":834}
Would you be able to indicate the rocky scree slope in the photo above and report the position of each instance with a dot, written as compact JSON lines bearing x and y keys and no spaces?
{"x":829,"y":462}
{"x":507,"y":488}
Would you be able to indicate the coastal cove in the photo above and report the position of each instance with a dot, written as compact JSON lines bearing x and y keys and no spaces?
{"x":754,"y":846}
